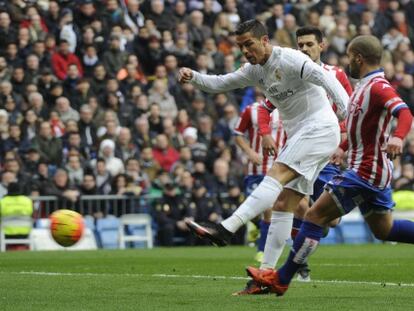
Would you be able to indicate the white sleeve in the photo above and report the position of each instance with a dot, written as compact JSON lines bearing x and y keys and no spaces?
{"x":315,"y":74}
{"x":222,"y":83}
{"x":301,"y":65}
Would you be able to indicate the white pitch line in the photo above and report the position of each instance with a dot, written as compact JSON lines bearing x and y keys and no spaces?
{"x":214,"y":277}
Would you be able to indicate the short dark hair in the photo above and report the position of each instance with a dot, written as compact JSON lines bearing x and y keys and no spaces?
{"x":310,"y":30}
{"x":256,"y":28}
{"x":369,"y":47}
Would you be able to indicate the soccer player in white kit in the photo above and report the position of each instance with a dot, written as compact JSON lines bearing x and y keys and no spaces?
{"x":298,"y":88}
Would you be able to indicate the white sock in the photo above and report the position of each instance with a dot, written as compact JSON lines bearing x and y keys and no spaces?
{"x":279,"y":233}
{"x":261,"y":198}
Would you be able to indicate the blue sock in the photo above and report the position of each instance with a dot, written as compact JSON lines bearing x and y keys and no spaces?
{"x":304,"y":245}
{"x":295,"y":227}
{"x":402,"y":231}
{"x":264,"y":228}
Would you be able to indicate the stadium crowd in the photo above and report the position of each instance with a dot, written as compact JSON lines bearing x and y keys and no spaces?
{"x":90,"y":103}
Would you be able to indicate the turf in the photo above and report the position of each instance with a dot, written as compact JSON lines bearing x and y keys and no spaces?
{"x":370,"y":277}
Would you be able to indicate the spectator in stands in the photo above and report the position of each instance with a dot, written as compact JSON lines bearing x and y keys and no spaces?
{"x":159,"y":94}
{"x":161,"y":17}
{"x":87,"y":129}
{"x":15,"y":115}
{"x":4,"y":124}
{"x":215,"y":59}
{"x":29,"y":124}
{"x":186,"y":160}
{"x":122,"y":184}
{"x":7,"y":31}
{"x":88,"y":187}
{"x":50,"y":148}
{"x":103,"y":177}
{"x":5,"y":73}
{"x":6,"y":178}
{"x":114,"y":59}
{"x":149,"y":165}
{"x":163,"y":153}
{"x":155,"y":119}
{"x":113,"y":164}
{"x":15,"y":141}
{"x":138,"y":177}
{"x":197,"y":30}
{"x":206,"y":207}
{"x":60,"y":187}
{"x":62,"y":59}
{"x":175,"y":139}
{"x":198,"y":150}
{"x":125,"y":147}
{"x":406,"y":91}
{"x":182,"y":121}
{"x":286,"y":36}
{"x":171,"y":213}
{"x":74,"y":169}
{"x":65,"y":111}
{"x":276,"y":20}
{"x":32,"y":161}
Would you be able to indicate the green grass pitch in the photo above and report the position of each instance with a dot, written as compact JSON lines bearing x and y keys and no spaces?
{"x":367,"y":277}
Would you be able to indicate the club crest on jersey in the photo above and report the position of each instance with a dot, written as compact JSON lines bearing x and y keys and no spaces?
{"x":278,"y":74}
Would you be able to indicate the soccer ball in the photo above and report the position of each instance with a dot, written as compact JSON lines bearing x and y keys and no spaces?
{"x":66,"y":227}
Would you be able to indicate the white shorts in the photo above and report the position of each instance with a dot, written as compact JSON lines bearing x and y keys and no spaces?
{"x":307,"y":152}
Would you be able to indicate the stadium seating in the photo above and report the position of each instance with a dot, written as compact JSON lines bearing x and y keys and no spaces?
{"x":107,"y":231}
{"x":17,"y":221}
{"x":135,"y":228}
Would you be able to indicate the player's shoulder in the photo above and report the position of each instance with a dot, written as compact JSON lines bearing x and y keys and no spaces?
{"x":332,"y":68}
{"x":380,"y":85}
{"x":289,"y":56}
{"x":382,"y":89}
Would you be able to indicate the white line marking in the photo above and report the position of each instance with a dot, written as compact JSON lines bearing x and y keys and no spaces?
{"x":213,"y":277}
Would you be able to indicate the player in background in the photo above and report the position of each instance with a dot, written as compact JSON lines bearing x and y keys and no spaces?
{"x":310,"y":42}
{"x":366,"y":183}
{"x":292,"y":83}
{"x":259,"y":163}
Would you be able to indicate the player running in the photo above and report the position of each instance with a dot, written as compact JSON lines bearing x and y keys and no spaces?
{"x":292,"y":83}
{"x":366,"y":183}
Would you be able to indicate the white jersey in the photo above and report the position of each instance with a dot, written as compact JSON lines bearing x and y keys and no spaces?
{"x":292,"y":82}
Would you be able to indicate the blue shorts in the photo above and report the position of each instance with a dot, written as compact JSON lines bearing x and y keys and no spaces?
{"x":349,"y":191}
{"x":251,"y":182}
{"x":328,"y":172}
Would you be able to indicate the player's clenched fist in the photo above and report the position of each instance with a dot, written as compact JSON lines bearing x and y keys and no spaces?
{"x":185,"y":75}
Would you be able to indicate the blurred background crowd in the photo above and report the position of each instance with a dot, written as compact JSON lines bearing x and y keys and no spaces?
{"x":90,"y":104}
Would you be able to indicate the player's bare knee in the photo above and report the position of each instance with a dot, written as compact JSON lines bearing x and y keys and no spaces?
{"x":282,"y":173}
{"x":280,"y":206}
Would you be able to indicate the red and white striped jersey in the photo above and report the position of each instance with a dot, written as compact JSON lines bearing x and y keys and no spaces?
{"x":372,"y":106}
{"x":248,"y":124}
{"x":340,"y":76}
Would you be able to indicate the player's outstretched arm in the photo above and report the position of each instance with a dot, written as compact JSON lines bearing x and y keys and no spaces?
{"x":218,"y":83}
